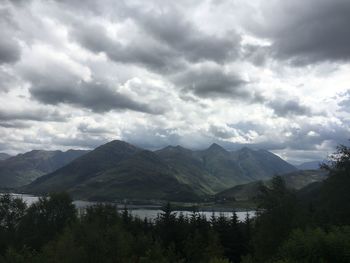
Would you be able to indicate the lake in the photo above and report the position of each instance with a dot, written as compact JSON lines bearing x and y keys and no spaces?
{"x":142,"y":212}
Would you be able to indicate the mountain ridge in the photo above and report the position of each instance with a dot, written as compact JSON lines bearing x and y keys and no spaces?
{"x":4,"y":156}
{"x":295,"y":180}
{"x":24,"y":168}
{"x":108,"y":172}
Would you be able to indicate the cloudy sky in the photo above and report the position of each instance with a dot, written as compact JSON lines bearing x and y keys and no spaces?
{"x":268,"y":74}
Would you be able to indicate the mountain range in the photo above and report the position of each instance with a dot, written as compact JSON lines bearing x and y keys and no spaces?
{"x":296,"y":180}
{"x":313,"y":165}
{"x":4,"y":156}
{"x":119,"y":170}
{"x":24,"y":168}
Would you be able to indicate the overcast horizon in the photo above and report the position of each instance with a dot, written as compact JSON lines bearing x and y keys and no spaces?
{"x":271,"y":76}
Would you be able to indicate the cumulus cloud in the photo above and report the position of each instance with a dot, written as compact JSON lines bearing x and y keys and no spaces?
{"x":62,"y":81}
{"x":32,"y":115}
{"x":9,"y":50}
{"x":9,"y":47}
{"x":210,"y":81}
{"x":306,"y":32}
{"x":164,"y":42}
{"x":344,"y":103}
{"x":174,"y":30}
{"x":288,"y":107}
{"x":154,"y":73}
{"x":90,"y":95}
{"x":144,"y":52}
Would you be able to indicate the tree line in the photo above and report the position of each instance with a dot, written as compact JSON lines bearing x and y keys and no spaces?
{"x":312,"y":225}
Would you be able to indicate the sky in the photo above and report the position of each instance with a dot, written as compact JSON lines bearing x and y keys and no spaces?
{"x":272,"y":74}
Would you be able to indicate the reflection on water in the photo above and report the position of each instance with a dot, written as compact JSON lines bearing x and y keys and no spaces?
{"x":141,"y":212}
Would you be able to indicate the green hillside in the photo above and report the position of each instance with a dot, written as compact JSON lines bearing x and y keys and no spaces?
{"x":24,"y":168}
{"x":299,"y":180}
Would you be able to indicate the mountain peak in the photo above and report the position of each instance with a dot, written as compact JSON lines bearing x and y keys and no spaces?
{"x":216,"y":147}
{"x":118,"y":145}
{"x":246,"y":149}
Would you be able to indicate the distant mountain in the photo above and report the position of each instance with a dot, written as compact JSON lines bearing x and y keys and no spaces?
{"x":191,"y":169}
{"x":216,"y":169}
{"x":24,"y":168}
{"x":116,"y":170}
{"x":4,"y":156}
{"x":244,"y":165}
{"x":295,"y":180}
{"x":119,"y":170}
{"x":300,"y":179}
{"x":309,"y":165}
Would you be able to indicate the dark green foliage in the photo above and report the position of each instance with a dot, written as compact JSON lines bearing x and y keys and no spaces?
{"x":11,"y":213}
{"x":50,"y":231}
{"x":287,"y":229}
{"x":311,"y":228}
{"x":46,"y":218}
{"x":276,"y":219}
{"x":317,"y":245}
{"x":335,"y":192}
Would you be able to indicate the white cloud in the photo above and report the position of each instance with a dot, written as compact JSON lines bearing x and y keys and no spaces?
{"x":163,"y":72}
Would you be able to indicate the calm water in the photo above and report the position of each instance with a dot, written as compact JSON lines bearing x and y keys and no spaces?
{"x":142,"y":212}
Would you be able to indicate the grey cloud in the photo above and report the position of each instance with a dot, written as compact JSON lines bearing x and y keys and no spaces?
{"x":144,"y":52}
{"x":7,"y":80}
{"x":61,"y":86}
{"x":335,"y":134}
{"x":258,"y":55}
{"x":316,"y":139}
{"x":247,"y":126}
{"x":86,"y":128}
{"x":107,"y":8}
{"x":173,"y":29}
{"x":344,"y":103}
{"x":32,"y":115}
{"x":14,"y":125}
{"x":289,"y":107}
{"x":10,"y":50}
{"x":165,"y":42}
{"x":151,"y":137}
{"x":82,"y":140}
{"x":305,"y":32}
{"x":209,"y":82}
{"x":90,"y":95}
{"x":220,"y":133}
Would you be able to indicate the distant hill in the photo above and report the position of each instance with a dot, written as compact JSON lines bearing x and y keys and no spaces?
{"x":24,"y":168}
{"x":295,"y":180}
{"x":242,"y":192}
{"x":309,"y":165}
{"x":300,"y":179}
{"x":4,"y":156}
{"x":120,"y":170}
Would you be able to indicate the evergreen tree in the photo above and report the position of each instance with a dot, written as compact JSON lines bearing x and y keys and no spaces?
{"x":276,"y":218}
{"x":46,"y":218}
